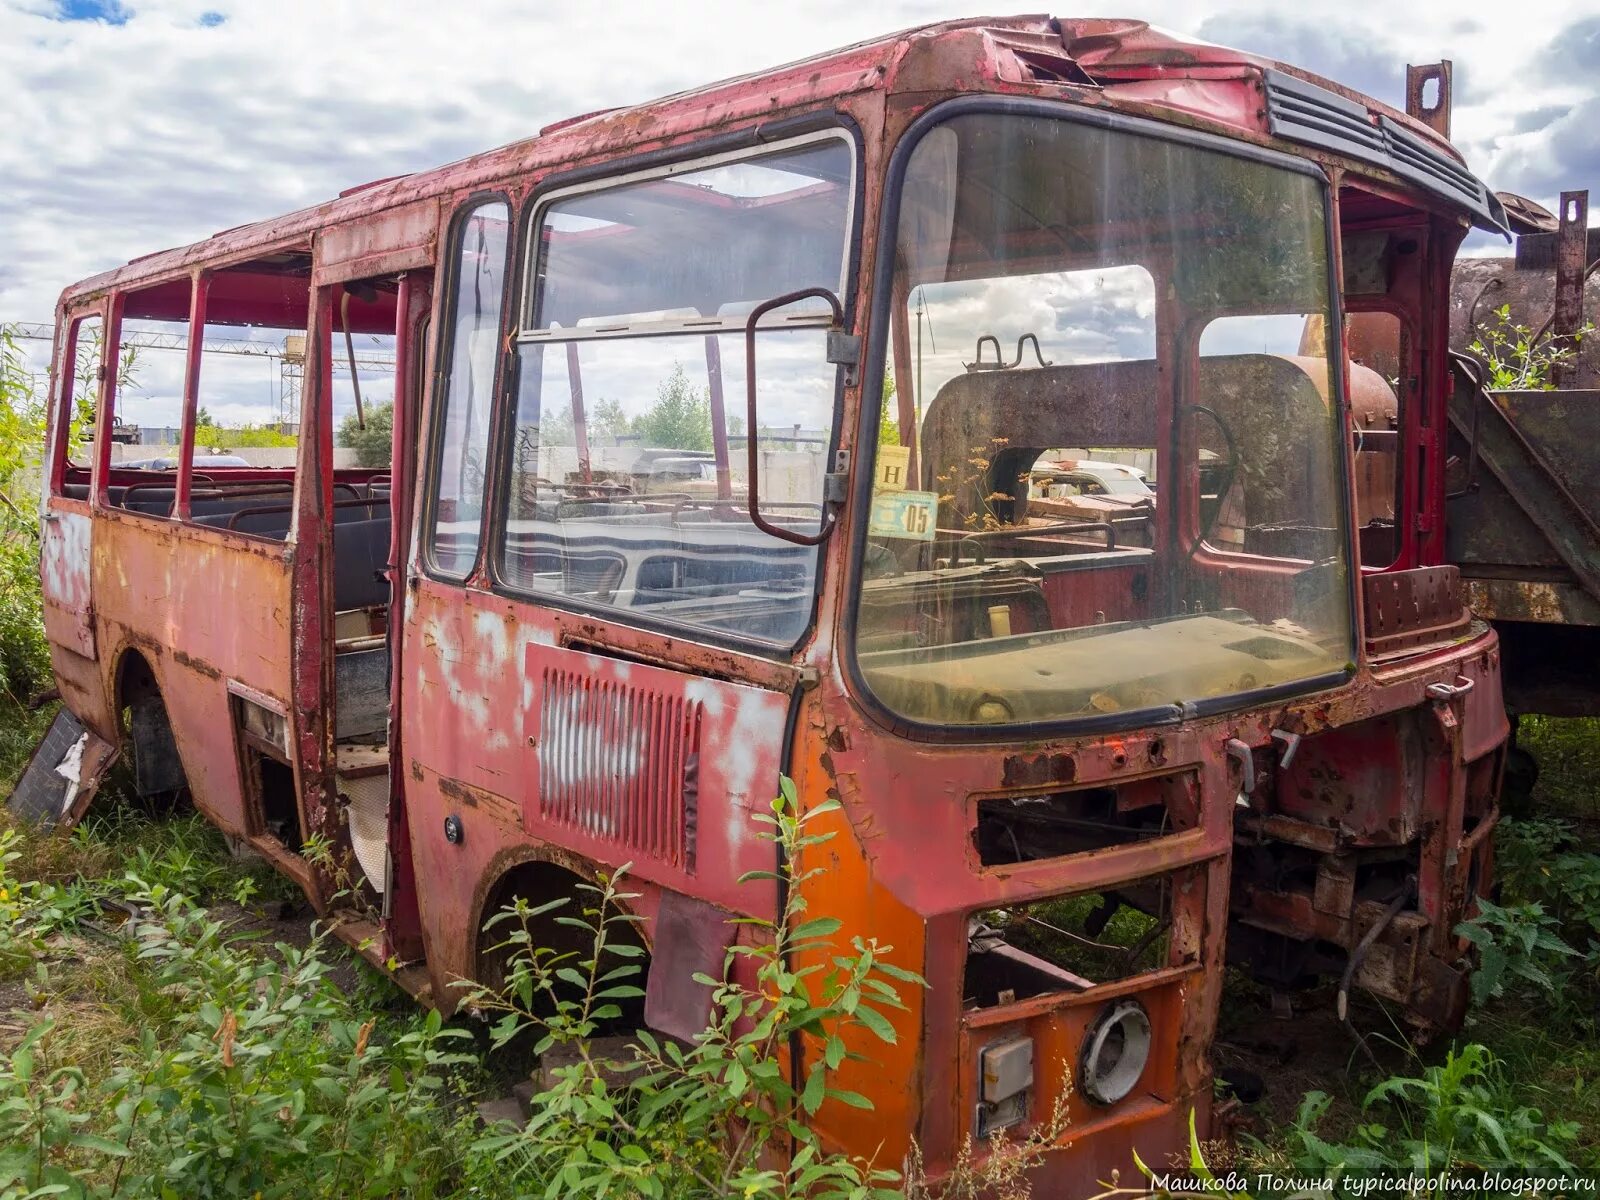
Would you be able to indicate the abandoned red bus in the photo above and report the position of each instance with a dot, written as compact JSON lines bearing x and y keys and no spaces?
{"x":728,"y":441}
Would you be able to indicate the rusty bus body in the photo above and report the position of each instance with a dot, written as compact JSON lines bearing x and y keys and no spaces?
{"x":1237,"y":731}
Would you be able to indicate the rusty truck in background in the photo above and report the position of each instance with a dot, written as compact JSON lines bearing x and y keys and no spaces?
{"x":1524,"y":500}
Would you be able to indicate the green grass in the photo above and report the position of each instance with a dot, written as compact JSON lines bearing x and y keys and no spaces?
{"x":20,"y":729}
{"x":1546,"y":1044}
{"x":1568,"y":752}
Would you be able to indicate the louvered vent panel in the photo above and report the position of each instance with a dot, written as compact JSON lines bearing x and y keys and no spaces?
{"x":1313,"y":116}
{"x":620,"y":764}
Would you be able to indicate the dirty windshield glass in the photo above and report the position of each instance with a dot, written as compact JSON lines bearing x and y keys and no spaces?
{"x":1101,"y":487}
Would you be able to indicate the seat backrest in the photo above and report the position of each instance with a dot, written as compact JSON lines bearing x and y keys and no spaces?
{"x":360,"y":555}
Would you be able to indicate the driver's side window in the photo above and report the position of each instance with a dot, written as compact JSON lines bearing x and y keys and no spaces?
{"x":629,"y":473}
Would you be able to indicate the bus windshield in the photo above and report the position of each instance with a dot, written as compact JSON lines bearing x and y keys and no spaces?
{"x":1108,"y":480}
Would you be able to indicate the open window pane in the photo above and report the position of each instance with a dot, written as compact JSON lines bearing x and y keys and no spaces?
{"x":629,"y":479}
{"x":464,"y":409}
{"x":718,"y":240}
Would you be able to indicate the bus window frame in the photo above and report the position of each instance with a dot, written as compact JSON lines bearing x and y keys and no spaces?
{"x":750,"y":141}
{"x":105,"y":414}
{"x":437,"y":399}
{"x":65,"y":395}
{"x":879,"y":333}
{"x":1406,"y":399}
{"x":199,"y":282}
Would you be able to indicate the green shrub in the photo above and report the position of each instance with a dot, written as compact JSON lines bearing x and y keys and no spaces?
{"x":1541,"y":860}
{"x":252,"y":1077}
{"x":1457,"y":1117}
{"x":1518,"y":947}
{"x":210,"y":439}
{"x":24,"y":653}
{"x":24,"y":656}
{"x":1517,"y":357}
{"x":712,"y":1119}
{"x":374,"y":444}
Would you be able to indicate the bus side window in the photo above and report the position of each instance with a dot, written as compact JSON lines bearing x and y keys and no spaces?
{"x":77,"y":396}
{"x":461,"y":415}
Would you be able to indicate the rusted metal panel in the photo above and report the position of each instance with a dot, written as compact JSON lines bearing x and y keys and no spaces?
{"x":1435,"y":114}
{"x":617,"y":762}
{"x":1561,"y":430}
{"x":203,"y":608}
{"x":1484,"y":726}
{"x":397,"y":239}
{"x":65,"y":537}
{"x":1543,"y":601}
{"x":1519,"y":466}
{"x":1407,"y":609}
{"x":694,"y":937}
{"x":633,"y":761}
{"x":1572,"y":262}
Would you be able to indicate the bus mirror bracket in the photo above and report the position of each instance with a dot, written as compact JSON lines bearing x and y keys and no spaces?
{"x":844,"y":350}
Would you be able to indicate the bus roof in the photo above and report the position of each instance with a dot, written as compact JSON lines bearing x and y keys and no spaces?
{"x":1122,"y":64}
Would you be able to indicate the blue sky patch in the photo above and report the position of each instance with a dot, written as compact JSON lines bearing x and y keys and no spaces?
{"x":112,"y":12}
{"x":211,"y":20}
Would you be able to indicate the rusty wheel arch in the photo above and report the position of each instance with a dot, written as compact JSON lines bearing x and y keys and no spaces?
{"x":132,"y":678}
{"x":143,"y":726}
{"x":534,"y":872}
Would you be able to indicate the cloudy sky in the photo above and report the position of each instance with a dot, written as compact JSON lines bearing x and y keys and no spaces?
{"x":133,"y":125}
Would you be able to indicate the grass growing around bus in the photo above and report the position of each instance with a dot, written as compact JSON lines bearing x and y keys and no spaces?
{"x":161,"y":1034}
{"x":152,"y":1046}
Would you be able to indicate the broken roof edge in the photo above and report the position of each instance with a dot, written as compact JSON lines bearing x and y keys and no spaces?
{"x":1110,"y":49}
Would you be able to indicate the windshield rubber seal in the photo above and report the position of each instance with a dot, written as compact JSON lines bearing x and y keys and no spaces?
{"x":866,"y":441}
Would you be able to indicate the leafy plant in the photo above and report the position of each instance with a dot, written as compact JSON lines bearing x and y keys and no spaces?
{"x":1457,"y":1116}
{"x":717,"y":1117}
{"x":1541,"y":859}
{"x":42,"y":1122}
{"x":24,"y":656}
{"x":1520,"y":359}
{"x":1516,"y":943}
{"x":252,"y":1076}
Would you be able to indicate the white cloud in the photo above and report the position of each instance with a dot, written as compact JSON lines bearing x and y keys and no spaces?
{"x":125,"y":138}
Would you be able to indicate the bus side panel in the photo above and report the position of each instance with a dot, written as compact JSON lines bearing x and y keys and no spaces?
{"x":64,"y":555}
{"x":622,"y":787}
{"x":204,"y":608}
